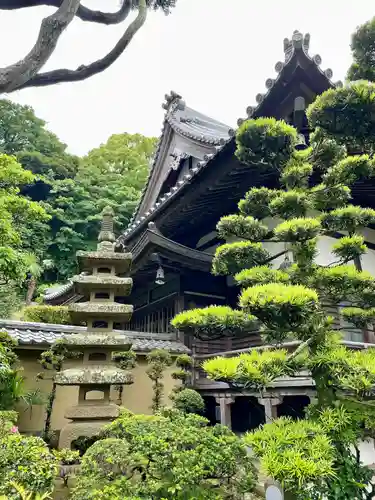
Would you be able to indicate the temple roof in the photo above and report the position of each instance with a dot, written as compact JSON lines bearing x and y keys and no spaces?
{"x":43,"y":334}
{"x":297,"y":63}
{"x":189,"y":124}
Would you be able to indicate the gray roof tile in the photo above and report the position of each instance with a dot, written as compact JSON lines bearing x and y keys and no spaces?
{"x":45,"y":334}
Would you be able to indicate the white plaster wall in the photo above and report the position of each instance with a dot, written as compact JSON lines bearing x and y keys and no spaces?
{"x":367,"y":451}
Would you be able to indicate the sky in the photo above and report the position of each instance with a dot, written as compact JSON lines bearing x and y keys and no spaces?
{"x":216,"y":53}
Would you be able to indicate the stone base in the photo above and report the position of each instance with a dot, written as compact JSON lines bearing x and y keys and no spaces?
{"x":92,"y":410}
{"x":74,"y":430}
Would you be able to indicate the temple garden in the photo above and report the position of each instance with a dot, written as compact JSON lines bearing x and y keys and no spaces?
{"x":105,"y":398}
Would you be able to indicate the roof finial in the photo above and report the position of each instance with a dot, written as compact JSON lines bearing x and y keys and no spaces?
{"x":106,"y":236}
{"x":297,"y":42}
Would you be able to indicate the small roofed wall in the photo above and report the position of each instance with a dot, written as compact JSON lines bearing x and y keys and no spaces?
{"x":136,"y":397}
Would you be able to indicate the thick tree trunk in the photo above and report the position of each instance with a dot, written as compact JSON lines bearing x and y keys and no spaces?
{"x":51,"y":28}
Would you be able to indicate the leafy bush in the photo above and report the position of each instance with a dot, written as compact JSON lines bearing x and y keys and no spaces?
{"x":256,"y":202}
{"x":297,"y":230}
{"x":253,"y":370}
{"x":56,"y":315}
{"x":189,"y":459}
{"x":260,"y":275}
{"x":189,"y":401}
{"x":294,"y":453}
{"x":242,"y":227}
{"x":349,"y":247}
{"x":346,"y":115}
{"x":265,"y":142}
{"x":296,"y":175}
{"x":279,"y":306}
{"x":231,"y":258}
{"x":214,"y":321}
{"x":348,"y":218}
{"x":288,"y":204}
{"x":28,"y":462}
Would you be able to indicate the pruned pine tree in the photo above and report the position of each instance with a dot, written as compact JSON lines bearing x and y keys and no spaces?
{"x":312,"y":458}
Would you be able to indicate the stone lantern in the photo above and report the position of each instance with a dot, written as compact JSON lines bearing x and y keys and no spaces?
{"x":104,"y":280}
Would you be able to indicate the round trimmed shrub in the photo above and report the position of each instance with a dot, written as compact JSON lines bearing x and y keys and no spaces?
{"x":189,"y":401}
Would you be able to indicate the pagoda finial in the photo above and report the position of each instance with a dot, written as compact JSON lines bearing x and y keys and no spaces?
{"x":106,"y":236}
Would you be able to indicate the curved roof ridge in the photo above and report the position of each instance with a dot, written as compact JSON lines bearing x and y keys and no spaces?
{"x":189,"y":123}
{"x":298,"y":44}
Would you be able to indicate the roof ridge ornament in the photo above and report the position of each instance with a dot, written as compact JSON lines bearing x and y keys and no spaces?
{"x":173,"y":101}
{"x":297,"y":42}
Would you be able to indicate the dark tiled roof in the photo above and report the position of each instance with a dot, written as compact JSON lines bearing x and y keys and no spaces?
{"x":298,"y":44}
{"x":188,"y":123}
{"x":45,"y":334}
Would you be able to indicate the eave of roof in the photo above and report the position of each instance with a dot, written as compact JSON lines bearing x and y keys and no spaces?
{"x":152,"y":241}
{"x":44,"y":334}
{"x":188,"y":123}
{"x":296,"y":47}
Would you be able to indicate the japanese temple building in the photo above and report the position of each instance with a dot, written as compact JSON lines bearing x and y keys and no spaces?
{"x":194,"y":179}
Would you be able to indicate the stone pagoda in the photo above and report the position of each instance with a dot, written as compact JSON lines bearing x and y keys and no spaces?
{"x":102,"y":284}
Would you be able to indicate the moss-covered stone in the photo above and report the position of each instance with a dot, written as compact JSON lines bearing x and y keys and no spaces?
{"x":96,"y":375}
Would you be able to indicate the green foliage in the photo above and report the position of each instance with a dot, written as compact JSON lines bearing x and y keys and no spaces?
{"x":280,"y":307}
{"x":265,"y":142}
{"x":24,"y":494}
{"x":298,"y":454}
{"x":66,"y":456}
{"x":189,"y":401}
{"x":358,"y":316}
{"x":348,"y":218}
{"x":296,"y":175}
{"x":189,"y":459}
{"x":254,"y":370}
{"x":349,"y":247}
{"x":233,"y":257}
{"x":56,"y":315}
{"x":256,"y":202}
{"x":53,"y":360}
{"x":349,"y":170}
{"x":242,"y":227}
{"x":184,"y":361}
{"x":326,"y":198}
{"x":363,"y":50}
{"x":28,"y":462}
{"x":71,"y":190}
{"x":297,"y":230}
{"x":324,"y":153}
{"x":110,"y":175}
{"x":314,"y":458}
{"x":288,"y":204}
{"x":214,"y":321}
{"x":158,"y":361}
{"x":346,"y":115}
{"x":260,"y":275}
{"x":350,"y":371}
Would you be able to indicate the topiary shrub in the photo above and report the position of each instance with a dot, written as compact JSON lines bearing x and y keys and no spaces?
{"x":56,"y":315}
{"x":169,"y":456}
{"x":26,"y":461}
{"x":189,"y":401}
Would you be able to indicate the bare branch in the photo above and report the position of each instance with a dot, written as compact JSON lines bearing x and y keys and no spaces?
{"x":16,"y":75}
{"x":83,"y":72}
{"x":83,"y":13}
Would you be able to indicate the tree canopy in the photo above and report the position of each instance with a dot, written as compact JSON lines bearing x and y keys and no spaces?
{"x":27,"y":71}
{"x":311,"y":458}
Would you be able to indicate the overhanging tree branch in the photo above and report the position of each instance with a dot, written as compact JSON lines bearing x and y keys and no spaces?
{"x":14,"y":76}
{"x":83,"y":13}
{"x":83,"y":72}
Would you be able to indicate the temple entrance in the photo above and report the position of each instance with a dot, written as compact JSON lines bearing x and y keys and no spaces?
{"x":247,"y":414}
{"x":293,"y":407}
{"x":210,"y":410}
